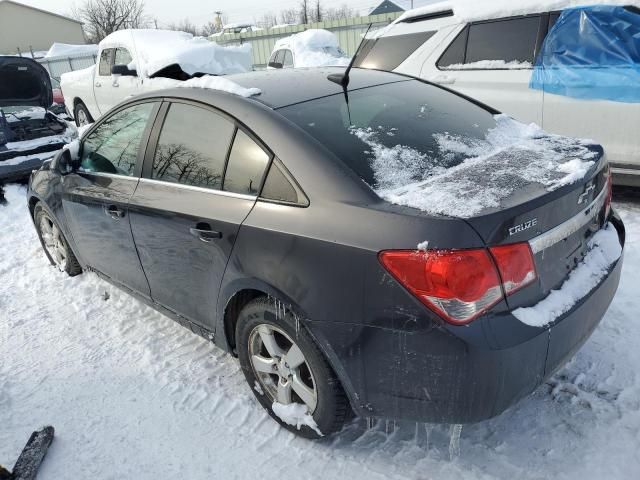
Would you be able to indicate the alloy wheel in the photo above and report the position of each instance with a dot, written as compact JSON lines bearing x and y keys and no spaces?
{"x":281,"y":368}
{"x":53,"y":242}
{"x":82,"y":118}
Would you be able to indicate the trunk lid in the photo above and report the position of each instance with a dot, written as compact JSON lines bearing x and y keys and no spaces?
{"x":24,"y":83}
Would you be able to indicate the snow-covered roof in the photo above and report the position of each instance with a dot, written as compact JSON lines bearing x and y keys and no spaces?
{"x":154,"y":50}
{"x":237,"y":25}
{"x":471,"y":10}
{"x":310,"y":48}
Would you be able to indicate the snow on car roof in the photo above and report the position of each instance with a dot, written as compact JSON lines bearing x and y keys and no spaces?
{"x":470,"y":10}
{"x":154,"y":50}
{"x":314,"y":48}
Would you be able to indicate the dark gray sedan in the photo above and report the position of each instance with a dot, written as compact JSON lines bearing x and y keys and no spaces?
{"x":281,"y":227}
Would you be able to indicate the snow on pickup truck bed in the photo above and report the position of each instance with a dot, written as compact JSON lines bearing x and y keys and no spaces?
{"x":134,"y":395}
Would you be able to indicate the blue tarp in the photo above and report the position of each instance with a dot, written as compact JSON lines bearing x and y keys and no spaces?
{"x":592,"y":53}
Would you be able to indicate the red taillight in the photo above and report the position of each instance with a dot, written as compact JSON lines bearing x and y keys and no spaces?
{"x":515,"y":264}
{"x":460,"y":285}
{"x":609,"y":194}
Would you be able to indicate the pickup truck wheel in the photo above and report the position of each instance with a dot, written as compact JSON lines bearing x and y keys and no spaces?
{"x":54,"y":244}
{"x":287,"y":372}
{"x":82,"y":115}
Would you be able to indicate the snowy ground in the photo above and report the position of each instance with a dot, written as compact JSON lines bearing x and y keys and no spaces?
{"x":134,"y":395}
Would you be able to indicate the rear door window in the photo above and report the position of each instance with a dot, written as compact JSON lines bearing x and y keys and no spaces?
{"x":386,"y":53}
{"x":247,"y":163}
{"x":106,"y":57}
{"x":512,"y":40}
{"x":113,"y":146}
{"x":193,"y":146}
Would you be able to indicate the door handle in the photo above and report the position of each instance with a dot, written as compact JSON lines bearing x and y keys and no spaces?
{"x":114,"y":212}
{"x":443,"y":80}
{"x":203,"y":232}
{"x":98,"y":84}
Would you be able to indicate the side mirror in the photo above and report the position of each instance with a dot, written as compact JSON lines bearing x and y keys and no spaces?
{"x":123,"y":70}
{"x":63,"y":163}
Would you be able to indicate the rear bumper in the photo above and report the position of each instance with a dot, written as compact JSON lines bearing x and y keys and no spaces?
{"x":435,"y":375}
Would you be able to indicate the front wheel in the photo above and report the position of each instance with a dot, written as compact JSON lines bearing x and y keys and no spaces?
{"x":54,"y":243}
{"x":82,"y":115}
{"x":287,"y":372}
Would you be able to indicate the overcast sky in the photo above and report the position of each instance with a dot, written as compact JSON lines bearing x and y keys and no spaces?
{"x":201,"y":11}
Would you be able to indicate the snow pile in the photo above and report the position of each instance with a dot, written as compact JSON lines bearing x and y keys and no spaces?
{"x":490,"y":65}
{"x":207,"y":82}
{"x":470,"y":10}
{"x":314,"y":48}
{"x":67,"y":50}
{"x":466,"y":176}
{"x":604,"y":251}
{"x":154,"y":50}
{"x":295,"y":414}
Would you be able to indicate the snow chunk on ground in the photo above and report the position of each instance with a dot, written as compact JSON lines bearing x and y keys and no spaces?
{"x":604,"y":251}
{"x":207,"y":82}
{"x":490,"y":65}
{"x":314,"y":48}
{"x":295,"y":414}
{"x":512,"y":155}
{"x":154,"y":50}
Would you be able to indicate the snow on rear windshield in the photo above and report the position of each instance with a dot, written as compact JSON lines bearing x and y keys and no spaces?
{"x":419,"y":146}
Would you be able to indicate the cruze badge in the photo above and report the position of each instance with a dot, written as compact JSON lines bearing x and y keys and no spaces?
{"x":523,"y":226}
{"x":583,"y":196}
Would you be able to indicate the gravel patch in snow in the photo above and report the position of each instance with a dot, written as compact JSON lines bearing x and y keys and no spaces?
{"x":604,"y":251}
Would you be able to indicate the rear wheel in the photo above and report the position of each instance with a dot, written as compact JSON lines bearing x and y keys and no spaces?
{"x":287,"y":372}
{"x":82,"y":115}
{"x":54,"y":243}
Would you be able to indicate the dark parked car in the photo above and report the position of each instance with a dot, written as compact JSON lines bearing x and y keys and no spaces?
{"x":247,"y":220}
{"x":28,"y":129}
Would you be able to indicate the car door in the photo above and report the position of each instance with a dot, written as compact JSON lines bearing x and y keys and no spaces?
{"x":199,"y":184}
{"x":613,"y":124}
{"x":102,"y":79}
{"x":492,"y":61}
{"x":95,"y":197}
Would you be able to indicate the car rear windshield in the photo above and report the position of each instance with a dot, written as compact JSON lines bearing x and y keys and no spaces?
{"x":393,"y":133}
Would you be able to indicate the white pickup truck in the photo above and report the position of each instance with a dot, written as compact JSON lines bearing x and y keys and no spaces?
{"x":136,"y":61}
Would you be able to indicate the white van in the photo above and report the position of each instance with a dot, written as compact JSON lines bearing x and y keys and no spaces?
{"x":492,"y":59}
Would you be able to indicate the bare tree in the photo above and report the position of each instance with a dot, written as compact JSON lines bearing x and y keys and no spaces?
{"x":102,"y":17}
{"x":289,"y":16}
{"x":209,"y":29}
{"x":316,"y":12}
{"x":304,"y":11}
{"x":267,"y":20}
{"x":339,"y":13}
{"x":184,"y":26}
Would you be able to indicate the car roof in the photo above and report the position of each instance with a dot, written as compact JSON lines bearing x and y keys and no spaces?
{"x":287,"y":86}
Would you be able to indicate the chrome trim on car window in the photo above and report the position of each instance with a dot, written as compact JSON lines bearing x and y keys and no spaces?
{"x":109,"y":175}
{"x":200,"y":189}
{"x":569,"y":227}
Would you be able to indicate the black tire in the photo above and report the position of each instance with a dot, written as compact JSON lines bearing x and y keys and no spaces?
{"x":80,"y":110}
{"x":70,"y":265}
{"x":332,"y":407}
